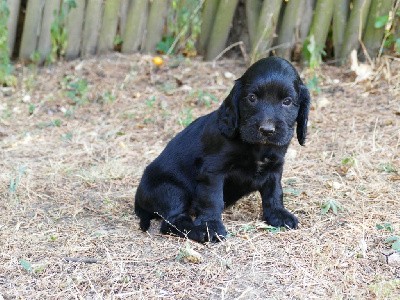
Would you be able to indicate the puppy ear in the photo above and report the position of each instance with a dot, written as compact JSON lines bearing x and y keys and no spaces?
{"x":228,"y":113}
{"x":302,"y":117}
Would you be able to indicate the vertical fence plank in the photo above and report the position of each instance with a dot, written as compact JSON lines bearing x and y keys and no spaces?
{"x":286,"y":36}
{"x":373,"y":36}
{"x":135,"y":26}
{"x":208,"y":17}
{"x":340,"y":14}
{"x":31,"y":31}
{"x":123,"y":15}
{"x":321,"y":21}
{"x":155,"y":24}
{"x":74,"y":29}
{"x":355,"y":27}
{"x":221,"y":28}
{"x":109,"y":26}
{"x":13,"y":6}
{"x":91,"y":27}
{"x":266,"y":27}
{"x":305,"y":19}
{"x":253,"y":8}
{"x":44,"y":46}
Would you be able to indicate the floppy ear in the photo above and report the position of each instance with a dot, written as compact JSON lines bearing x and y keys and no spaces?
{"x":228,"y":113}
{"x":302,"y":117}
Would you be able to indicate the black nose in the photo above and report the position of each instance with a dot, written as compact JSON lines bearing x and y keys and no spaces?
{"x":267,"y":129}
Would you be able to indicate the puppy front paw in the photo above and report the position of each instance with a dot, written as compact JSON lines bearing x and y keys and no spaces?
{"x":281,"y":218}
{"x":208,"y":231}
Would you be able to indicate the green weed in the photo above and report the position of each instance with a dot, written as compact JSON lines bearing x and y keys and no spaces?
{"x":388,"y":168}
{"x":58,"y":31}
{"x":6,"y":69}
{"x":76,"y":89}
{"x":394,"y":242}
{"x":150,"y":101}
{"x":331,"y":205}
{"x":385,"y":226}
{"x":186,"y":117}
{"x":184,"y":25}
{"x":107,"y":97}
{"x":14,"y":181}
{"x":31,"y":108}
{"x":205,"y":98}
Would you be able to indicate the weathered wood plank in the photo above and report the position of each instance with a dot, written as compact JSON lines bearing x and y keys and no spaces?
{"x":13,"y":6}
{"x":91,"y":29}
{"x":74,"y":29}
{"x":135,"y":26}
{"x":32,"y":26}
{"x":109,"y":26}
{"x":44,"y":46}
{"x":155,"y":24}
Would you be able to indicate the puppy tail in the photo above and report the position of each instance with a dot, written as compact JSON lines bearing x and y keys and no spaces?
{"x":144,"y":216}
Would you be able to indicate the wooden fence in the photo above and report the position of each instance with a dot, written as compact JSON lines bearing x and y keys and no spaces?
{"x":42,"y":30}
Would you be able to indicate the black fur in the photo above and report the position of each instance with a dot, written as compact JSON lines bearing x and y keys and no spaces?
{"x":228,"y":154}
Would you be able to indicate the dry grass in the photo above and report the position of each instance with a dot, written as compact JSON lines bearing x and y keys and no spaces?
{"x":67,"y":185}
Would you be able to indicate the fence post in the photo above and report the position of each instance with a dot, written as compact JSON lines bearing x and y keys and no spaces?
{"x":44,"y":47}
{"x":91,"y":27}
{"x":208,"y":17}
{"x":355,"y":28}
{"x":109,"y":26}
{"x":74,"y":30}
{"x":135,"y":26}
{"x":221,"y":28}
{"x":155,"y":24}
{"x":31,"y":31}
{"x":13,"y":6}
{"x":373,"y":36}
{"x":266,"y":26}
{"x":286,"y":36}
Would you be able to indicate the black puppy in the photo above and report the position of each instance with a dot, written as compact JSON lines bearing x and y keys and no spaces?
{"x":227,"y":154}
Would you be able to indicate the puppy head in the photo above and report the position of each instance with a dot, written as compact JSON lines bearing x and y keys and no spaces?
{"x":265,"y":104}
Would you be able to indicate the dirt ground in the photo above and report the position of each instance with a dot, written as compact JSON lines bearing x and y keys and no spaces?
{"x":75,"y":139}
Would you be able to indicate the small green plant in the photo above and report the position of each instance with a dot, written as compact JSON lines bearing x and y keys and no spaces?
{"x":14,"y":181}
{"x":53,"y":123}
{"x":118,"y":40}
{"x":108,"y":98}
{"x":58,"y":31}
{"x":67,"y":136}
{"x":31,"y":108}
{"x":394,"y":241}
{"x":6,"y":77}
{"x":186,"y":117}
{"x":313,"y":53}
{"x":331,"y":205}
{"x":26,"y":265}
{"x":313,"y":84}
{"x":204,"y":98}
{"x":184,"y":25}
{"x":53,"y":238}
{"x":385,"y":226}
{"x":270,"y":228}
{"x":150,"y":101}
{"x":76,"y":89}
{"x":348,"y":161}
{"x":388,"y":168}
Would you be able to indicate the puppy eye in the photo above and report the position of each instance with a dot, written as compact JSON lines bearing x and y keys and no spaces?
{"x":252,"y":98}
{"x":287,"y":101}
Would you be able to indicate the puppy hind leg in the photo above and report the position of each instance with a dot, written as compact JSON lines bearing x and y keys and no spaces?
{"x":144,"y":216}
{"x":180,"y":225}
